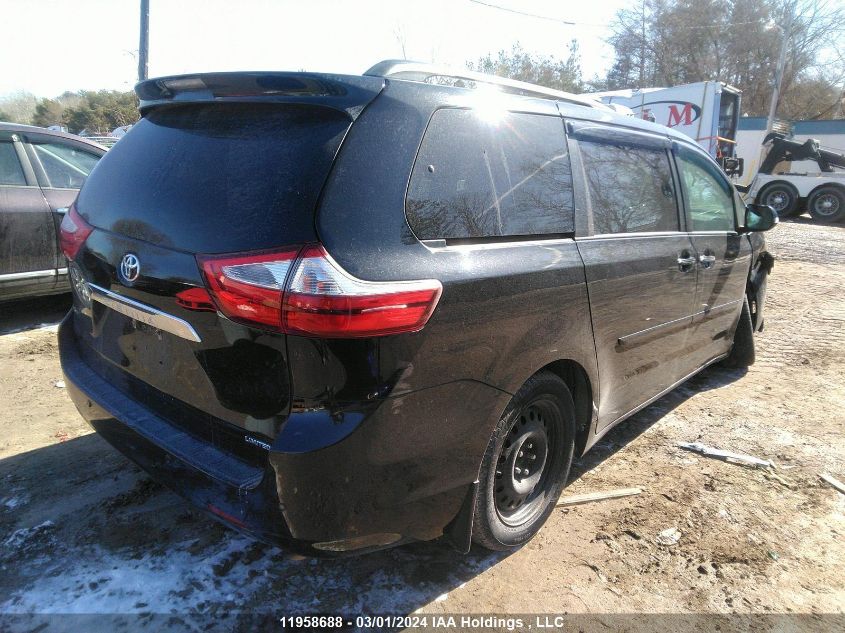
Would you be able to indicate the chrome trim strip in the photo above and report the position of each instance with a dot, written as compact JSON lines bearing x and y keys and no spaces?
{"x":655,"y":331}
{"x":710,"y":312}
{"x":638,"y":338}
{"x":145,"y":314}
{"x":629,"y":236}
{"x":62,"y":271}
{"x":31,"y":274}
{"x":441,"y":245}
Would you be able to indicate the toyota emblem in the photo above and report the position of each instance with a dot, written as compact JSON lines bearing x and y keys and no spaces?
{"x":130,"y":269}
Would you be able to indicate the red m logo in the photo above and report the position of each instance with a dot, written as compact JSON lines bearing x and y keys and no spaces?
{"x":678,"y":117}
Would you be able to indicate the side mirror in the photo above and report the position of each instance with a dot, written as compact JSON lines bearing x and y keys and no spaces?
{"x":733,"y":166}
{"x":759,"y":217}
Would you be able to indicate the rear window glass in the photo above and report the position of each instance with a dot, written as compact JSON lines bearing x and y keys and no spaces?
{"x":478,"y":176}
{"x":66,"y":166}
{"x":631,"y":188}
{"x":11,"y":172}
{"x":217,"y":177}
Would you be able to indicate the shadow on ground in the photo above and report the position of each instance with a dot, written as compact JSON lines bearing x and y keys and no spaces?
{"x":84,"y":531}
{"x":29,"y":314}
{"x":626,"y":432}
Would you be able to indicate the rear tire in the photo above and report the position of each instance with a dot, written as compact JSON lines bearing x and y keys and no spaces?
{"x":827,"y":204}
{"x":742,"y":352}
{"x":526,"y":464}
{"x":781,"y":197}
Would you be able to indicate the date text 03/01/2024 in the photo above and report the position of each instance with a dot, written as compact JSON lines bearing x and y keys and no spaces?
{"x":540,"y":622}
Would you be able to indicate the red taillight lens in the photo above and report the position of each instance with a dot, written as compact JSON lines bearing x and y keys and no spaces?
{"x":249,"y":288}
{"x":321,"y":299}
{"x":312,"y":295}
{"x":73,"y":232}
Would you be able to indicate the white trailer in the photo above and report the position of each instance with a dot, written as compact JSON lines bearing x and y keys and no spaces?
{"x":706,"y":111}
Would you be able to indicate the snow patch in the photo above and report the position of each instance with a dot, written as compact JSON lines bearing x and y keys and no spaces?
{"x":13,"y":502}
{"x":21,"y":537}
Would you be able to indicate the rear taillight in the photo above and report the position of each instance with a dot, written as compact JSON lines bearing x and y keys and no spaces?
{"x":248,"y":288}
{"x":73,"y":232}
{"x":306,"y":292}
{"x":321,"y":299}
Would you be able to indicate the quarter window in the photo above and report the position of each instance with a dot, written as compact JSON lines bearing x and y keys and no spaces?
{"x":11,"y":172}
{"x":631,"y":188}
{"x":478,"y":176}
{"x":710,"y":196}
{"x":66,"y":166}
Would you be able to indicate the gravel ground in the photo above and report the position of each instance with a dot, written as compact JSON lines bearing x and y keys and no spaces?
{"x":84,"y":531}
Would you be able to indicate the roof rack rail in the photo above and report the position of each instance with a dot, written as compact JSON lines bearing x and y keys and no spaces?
{"x":418,"y":71}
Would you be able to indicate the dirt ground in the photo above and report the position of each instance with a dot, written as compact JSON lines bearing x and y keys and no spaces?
{"x":84,"y":531}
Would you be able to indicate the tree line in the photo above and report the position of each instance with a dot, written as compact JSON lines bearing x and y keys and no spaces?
{"x":95,"y":112}
{"x":655,"y":43}
{"x":671,"y":42}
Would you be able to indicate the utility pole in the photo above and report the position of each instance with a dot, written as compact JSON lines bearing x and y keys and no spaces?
{"x":144,"y":45}
{"x":786,"y":32}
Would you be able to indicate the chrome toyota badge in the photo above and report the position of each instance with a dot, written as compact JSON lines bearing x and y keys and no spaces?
{"x":129,"y":270}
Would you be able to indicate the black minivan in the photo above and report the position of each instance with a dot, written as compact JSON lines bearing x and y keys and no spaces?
{"x":346,"y":312}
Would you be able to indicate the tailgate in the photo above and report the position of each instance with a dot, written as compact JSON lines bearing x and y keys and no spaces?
{"x":196,"y":177}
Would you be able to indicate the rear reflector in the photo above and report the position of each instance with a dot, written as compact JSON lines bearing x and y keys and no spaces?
{"x":306,"y":292}
{"x":226,"y":516}
{"x":196,"y":299}
{"x":73,"y":232}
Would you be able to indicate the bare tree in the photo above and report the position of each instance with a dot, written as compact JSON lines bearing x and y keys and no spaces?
{"x":401,"y":39}
{"x":669,"y":42}
{"x":18,"y":107}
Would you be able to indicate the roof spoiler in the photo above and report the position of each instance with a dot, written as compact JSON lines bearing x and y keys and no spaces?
{"x":341,"y":92}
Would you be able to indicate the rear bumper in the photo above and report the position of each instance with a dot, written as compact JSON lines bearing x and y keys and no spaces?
{"x":402,"y":474}
{"x":216,"y":482}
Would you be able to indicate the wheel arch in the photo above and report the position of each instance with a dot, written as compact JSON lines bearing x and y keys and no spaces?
{"x":578,"y":381}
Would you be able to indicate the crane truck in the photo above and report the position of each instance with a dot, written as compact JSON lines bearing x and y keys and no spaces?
{"x":788,"y":192}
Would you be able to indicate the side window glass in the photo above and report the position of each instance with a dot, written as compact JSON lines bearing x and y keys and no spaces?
{"x":479,"y":176}
{"x":11,"y":172}
{"x":66,"y":166}
{"x":631,"y":188}
{"x":710,"y":196}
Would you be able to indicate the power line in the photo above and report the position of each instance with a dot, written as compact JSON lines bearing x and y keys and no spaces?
{"x":530,"y":15}
{"x":570,"y":23}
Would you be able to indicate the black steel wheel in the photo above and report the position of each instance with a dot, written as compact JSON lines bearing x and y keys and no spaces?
{"x":781,"y":197}
{"x":827,"y":204}
{"x":526,"y":464}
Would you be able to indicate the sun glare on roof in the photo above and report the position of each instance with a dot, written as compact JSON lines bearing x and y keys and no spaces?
{"x":490,"y":104}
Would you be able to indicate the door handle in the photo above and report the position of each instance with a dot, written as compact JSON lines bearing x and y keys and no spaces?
{"x":707,"y":261}
{"x":685,"y":262}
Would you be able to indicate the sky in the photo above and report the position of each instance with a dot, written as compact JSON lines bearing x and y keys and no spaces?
{"x":92,"y":44}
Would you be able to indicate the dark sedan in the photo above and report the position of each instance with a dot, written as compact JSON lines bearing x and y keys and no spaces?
{"x":41,"y":172}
